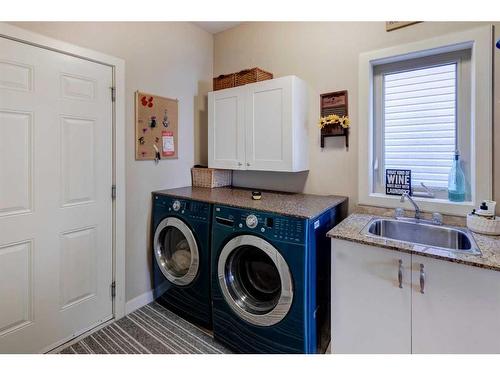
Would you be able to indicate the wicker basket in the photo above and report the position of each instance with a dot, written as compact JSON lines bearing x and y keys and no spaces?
{"x":251,"y":75}
{"x":211,"y":178}
{"x":224,"y":81}
{"x":482,"y":225}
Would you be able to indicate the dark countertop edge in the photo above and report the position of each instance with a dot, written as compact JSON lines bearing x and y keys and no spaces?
{"x":413,"y":252}
{"x":341,"y":199}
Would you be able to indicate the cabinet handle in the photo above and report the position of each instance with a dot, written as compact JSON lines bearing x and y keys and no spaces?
{"x":422,"y":278}
{"x":240,"y":163}
{"x":400,"y":274}
{"x":248,"y":164}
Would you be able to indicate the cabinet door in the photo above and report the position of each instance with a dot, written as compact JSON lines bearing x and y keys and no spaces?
{"x":459,"y":311}
{"x":370,"y":312}
{"x":269,"y":125}
{"x":226,"y":128}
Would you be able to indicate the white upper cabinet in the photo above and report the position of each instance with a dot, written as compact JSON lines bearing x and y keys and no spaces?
{"x":226,"y":123}
{"x":260,"y":126}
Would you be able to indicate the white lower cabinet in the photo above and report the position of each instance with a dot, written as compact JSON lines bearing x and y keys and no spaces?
{"x":370,"y":312}
{"x":378,"y":305}
{"x":459,"y":311}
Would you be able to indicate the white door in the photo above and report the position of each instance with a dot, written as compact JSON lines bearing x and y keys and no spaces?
{"x":226,"y":122}
{"x":269,"y":130}
{"x":55,"y":202}
{"x":371,"y":313}
{"x":459,"y":311}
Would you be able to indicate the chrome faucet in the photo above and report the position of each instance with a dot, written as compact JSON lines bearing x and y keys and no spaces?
{"x":417,"y":209}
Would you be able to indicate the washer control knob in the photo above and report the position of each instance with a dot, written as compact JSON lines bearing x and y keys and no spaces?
{"x":176,"y":205}
{"x":240,"y":225}
{"x":251,"y":221}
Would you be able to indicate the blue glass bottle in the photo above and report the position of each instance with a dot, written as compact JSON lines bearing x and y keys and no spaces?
{"x":456,"y":181}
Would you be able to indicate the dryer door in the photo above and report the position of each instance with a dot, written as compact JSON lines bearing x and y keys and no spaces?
{"x":176,"y":251}
{"x":255,"y":280}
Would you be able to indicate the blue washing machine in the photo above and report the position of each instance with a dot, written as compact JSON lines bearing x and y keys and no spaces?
{"x":181,"y":257}
{"x":271,"y":281}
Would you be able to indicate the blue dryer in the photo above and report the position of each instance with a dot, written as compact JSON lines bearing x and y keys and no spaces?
{"x":181,"y":257}
{"x":270,"y":281}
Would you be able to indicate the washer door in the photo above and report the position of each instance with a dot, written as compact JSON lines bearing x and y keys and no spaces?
{"x":255,"y":280}
{"x":176,"y":251}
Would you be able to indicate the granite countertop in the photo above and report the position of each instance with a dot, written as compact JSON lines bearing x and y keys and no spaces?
{"x":350,"y":229}
{"x":305,"y":206}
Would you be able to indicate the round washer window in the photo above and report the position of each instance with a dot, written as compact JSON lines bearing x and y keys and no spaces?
{"x":255,"y":280}
{"x":176,"y":251}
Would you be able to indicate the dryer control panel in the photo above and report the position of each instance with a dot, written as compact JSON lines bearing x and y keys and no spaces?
{"x":268,"y":225}
{"x":193,"y":210}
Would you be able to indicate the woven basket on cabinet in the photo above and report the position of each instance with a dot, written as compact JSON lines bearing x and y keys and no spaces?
{"x":224,"y":81}
{"x":251,"y":75}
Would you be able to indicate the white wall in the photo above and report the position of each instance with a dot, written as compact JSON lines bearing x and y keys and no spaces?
{"x":169,"y":59}
{"x":325,"y":54}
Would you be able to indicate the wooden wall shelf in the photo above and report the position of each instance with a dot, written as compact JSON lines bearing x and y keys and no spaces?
{"x":334,"y":103}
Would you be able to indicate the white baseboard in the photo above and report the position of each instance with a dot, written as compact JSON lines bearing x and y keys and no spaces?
{"x":138,"y":302}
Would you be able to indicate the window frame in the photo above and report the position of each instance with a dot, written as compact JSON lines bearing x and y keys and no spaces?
{"x":479,"y":41}
{"x":461,"y":58}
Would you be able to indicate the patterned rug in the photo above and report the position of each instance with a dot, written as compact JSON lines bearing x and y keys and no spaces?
{"x":150,"y":329}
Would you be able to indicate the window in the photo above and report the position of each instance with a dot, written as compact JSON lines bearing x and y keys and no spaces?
{"x":418,"y":103}
{"x":421,"y":115}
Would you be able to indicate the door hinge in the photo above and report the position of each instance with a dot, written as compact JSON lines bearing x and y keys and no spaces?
{"x":113,"y":289}
{"x":113,"y":191}
{"x":113,"y":94}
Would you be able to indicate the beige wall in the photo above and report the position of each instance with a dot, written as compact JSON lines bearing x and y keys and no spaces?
{"x":325,"y":54}
{"x":169,"y":59}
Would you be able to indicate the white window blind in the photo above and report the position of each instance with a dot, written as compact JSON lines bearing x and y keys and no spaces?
{"x":419,"y":122}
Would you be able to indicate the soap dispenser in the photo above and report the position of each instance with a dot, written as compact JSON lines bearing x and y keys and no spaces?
{"x":456,"y":181}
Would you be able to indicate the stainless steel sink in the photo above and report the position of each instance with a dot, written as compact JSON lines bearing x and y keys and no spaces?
{"x":423,"y":233}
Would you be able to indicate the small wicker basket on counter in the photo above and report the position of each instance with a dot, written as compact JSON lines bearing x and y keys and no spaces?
{"x":211,"y":178}
{"x":241,"y":78}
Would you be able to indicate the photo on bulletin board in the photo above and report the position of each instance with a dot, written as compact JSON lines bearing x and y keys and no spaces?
{"x":156,"y":134}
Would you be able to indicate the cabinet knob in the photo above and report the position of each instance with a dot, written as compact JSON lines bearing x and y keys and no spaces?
{"x":400,"y":274}
{"x":248,"y":164}
{"x":422,"y":278}
{"x":240,"y":163}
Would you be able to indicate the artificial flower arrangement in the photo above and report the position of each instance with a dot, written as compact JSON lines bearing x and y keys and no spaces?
{"x":343,"y":121}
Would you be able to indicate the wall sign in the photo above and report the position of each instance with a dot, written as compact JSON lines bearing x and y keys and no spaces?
{"x":394,"y":25}
{"x":156,"y":134}
{"x":397,"y":181}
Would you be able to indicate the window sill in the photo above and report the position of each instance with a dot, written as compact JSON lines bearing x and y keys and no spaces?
{"x":442,"y":206}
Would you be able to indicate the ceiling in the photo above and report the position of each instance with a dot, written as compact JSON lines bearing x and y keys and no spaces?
{"x":216,"y":27}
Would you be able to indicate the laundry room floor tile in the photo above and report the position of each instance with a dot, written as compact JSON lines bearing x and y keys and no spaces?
{"x":151,"y":329}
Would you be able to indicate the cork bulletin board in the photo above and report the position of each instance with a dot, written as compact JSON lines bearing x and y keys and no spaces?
{"x":155,"y":125}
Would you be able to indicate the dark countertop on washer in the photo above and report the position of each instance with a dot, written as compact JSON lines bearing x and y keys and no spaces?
{"x":306,"y":206}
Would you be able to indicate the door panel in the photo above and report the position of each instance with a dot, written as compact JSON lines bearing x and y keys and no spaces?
{"x":15,"y":162}
{"x":16,"y":286}
{"x":226,"y":139}
{"x":269,"y":125}
{"x":55,"y":200}
{"x":370,"y":313}
{"x":459,"y":310}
